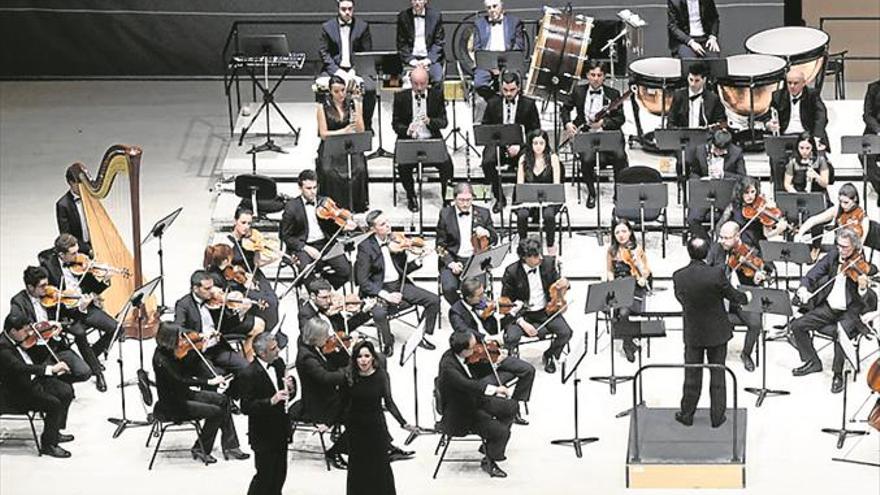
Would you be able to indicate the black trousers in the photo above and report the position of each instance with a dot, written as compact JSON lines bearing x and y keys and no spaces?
{"x":753,"y":324}
{"x":96,"y":318}
{"x":406,"y":176}
{"x":523,"y":215}
{"x":271,"y":464}
{"x":874,"y":174}
{"x":78,"y":331}
{"x":558,"y":327}
{"x":489,"y":164}
{"x":508,"y":369}
{"x":412,"y":295}
{"x":450,"y":282}
{"x":693,"y":380}
{"x":685,"y":51}
{"x":52,"y":397}
{"x":818,"y":319}
{"x":492,"y":423}
{"x":79,"y":370}
{"x":617,"y":159}
{"x":214,"y":409}
{"x":341,"y":267}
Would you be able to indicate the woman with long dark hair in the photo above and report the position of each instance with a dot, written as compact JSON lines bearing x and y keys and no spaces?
{"x":625,"y":258}
{"x":808,"y":170}
{"x":745,"y":193}
{"x":538,"y":165}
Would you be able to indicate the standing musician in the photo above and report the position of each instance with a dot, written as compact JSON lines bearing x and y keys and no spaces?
{"x":251,"y":251}
{"x":265,"y":393}
{"x":538,"y":165}
{"x":474,"y":315}
{"x":463,"y":229}
{"x":836,"y":289}
{"x":58,"y":264}
{"x":30,"y":304}
{"x":34,"y":387}
{"x":718,"y":159}
{"x":69,"y":210}
{"x":528,"y":282}
{"x":702,"y":291}
{"x":692,"y":28}
{"x":696,"y":106}
{"x":321,"y":304}
{"x":626,"y":258}
{"x":757,"y":217}
{"x":511,"y":108}
{"x":809,"y":170}
{"x":305,"y":234}
{"x":588,"y":100}
{"x":497,"y":31}
{"x":420,"y":113}
{"x":871,"y":116}
{"x":743,"y":266}
{"x":799,"y":108}
{"x":382,"y":270}
{"x":341,"y":38}
{"x":421,"y":39}
{"x":847,"y":213}
{"x":177,"y":399}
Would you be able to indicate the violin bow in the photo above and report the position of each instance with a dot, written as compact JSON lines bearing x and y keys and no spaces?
{"x":491,"y":363}
{"x":43,"y":341}
{"x":311,"y":266}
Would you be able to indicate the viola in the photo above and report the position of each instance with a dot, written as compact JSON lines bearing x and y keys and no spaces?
{"x":340,"y":341}
{"x":480,"y":243}
{"x":768,"y":215}
{"x":46,"y":329}
{"x":398,"y":243}
{"x":327,"y":209}
{"x":873,"y":377}
{"x":505,"y":306}
{"x":744,"y":259}
{"x":82,"y":264}
{"x":558,"y":291}
{"x":636,"y":269}
{"x":256,"y":242}
{"x":489,"y":352}
{"x":68,"y":297}
{"x":192,"y":340}
{"x":852,"y":219}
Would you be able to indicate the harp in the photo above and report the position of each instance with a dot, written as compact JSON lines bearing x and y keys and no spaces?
{"x":111,"y":204}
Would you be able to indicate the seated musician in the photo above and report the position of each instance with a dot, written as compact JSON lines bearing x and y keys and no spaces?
{"x":696,"y":106}
{"x":421,"y":39}
{"x":470,"y":406}
{"x":809,"y":170}
{"x":717,"y":159}
{"x":88,"y":314}
{"x":305,"y":235}
{"x":341,"y":38}
{"x":458,"y":226}
{"x":468,"y":315}
{"x":871,"y":116}
{"x":69,"y":210}
{"x":29,"y":304}
{"x":177,"y":399}
{"x":320,"y":305}
{"x":382,"y":272}
{"x":799,"y":108}
{"x":511,"y":108}
{"x":420,"y":113}
{"x":342,"y":114}
{"x":727,"y":250}
{"x":848,"y":212}
{"x":527,"y":282}
{"x":196,"y":311}
{"x":839,"y":289}
{"x":692,"y":28}
{"x":626,"y":258}
{"x":252,"y":256}
{"x":497,"y":31}
{"x":745,"y":201}
{"x":538,"y":165}
{"x":588,"y":100}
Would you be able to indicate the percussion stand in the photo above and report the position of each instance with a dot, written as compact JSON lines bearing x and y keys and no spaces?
{"x":611,"y":48}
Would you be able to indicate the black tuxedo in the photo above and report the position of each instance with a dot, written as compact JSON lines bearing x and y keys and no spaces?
{"x":69,"y":221}
{"x":50,"y":261}
{"x":307,"y":311}
{"x":718,"y":257}
{"x":221,"y":355}
{"x":435,"y":109}
{"x":450,"y":239}
{"x":697,"y":162}
{"x":514,"y":40}
{"x":465,"y":407}
{"x":26,"y":387}
{"x":871,"y":117}
{"x":321,"y":380}
{"x":712,"y":110}
{"x":527,"y":116}
{"x":295,"y":231}
{"x":269,"y":426}
{"x":814,"y":116}
{"x":701,"y":289}
{"x":359,"y":40}
{"x":678,"y":24}
{"x":435,"y":39}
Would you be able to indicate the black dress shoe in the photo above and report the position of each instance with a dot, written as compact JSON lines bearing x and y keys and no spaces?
{"x":412,"y":204}
{"x":337,"y":461}
{"x":388,"y":350}
{"x":54,"y":451}
{"x":807,"y":368}
{"x":198,"y":455}
{"x":549,"y":363}
{"x":591,"y":201}
{"x":100,"y":383}
{"x":395,"y":450}
{"x":748,"y":364}
{"x":492,"y":468}
{"x":520,"y":420}
{"x":426,"y":344}
{"x":719,"y":422}
{"x":499,"y":205}
{"x":837,"y":384}
{"x":235,"y":454}
{"x":684,"y":419}
{"x":64,"y":438}
{"x":629,"y":349}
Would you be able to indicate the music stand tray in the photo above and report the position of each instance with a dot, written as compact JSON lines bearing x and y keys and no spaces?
{"x":263,"y":45}
{"x":343,"y":245}
{"x":780,"y":147}
{"x":485,"y":261}
{"x":420,"y":152}
{"x":377,"y":63}
{"x":711,"y":194}
{"x":786,"y":252}
{"x":356,"y":142}
{"x":868,"y":144}
{"x":498,"y":134}
{"x":680,"y":138}
{"x":508,"y":61}
{"x":604,"y":297}
{"x":800,"y":205}
{"x":535,"y":194}
{"x":764,"y":301}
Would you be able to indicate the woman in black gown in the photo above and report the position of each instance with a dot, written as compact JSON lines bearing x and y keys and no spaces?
{"x":341,"y":114}
{"x":369,"y":466}
{"x":539,"y":165}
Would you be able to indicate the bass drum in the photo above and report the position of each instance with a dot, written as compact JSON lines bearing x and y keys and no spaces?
{"x":655,"y":79}
{"x":559,"y":55}
{"x":804,"y":48}
{"x":750,"y":82}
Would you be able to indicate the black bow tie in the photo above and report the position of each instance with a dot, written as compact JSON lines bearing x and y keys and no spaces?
{"x":310,"y":203}
{"x":464,"y":213}
{"x":595,"y":92}
{"x":345,"y":24}
{"x":533,"y":271}
{"x":418,"y":96}
{"x":795,"y":100}
{"x":418,"y":16}
{"x":694,"y":97}
{"x":495,"y":23}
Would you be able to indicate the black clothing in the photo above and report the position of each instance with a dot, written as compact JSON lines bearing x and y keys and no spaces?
{"x":678,"y":22}
{"x":269,"y":426}
{"x":359,"y":40}
{"x":321,"y":378}
{"x":435,"y":40}
{"x":295,"y":232}
{"x":871,"y":116}
{"x":69,"y":221}
{"x":718,"y":257}
{"x":527,"y":116}
{"x":332,"y":170}
{"x":711,"y":111}
{"x":450,"y":239}
{"x":435,"y":110}
{"x":307,"y":311}
{"x":221,"y":355}
{"x":263,"y":290}
{"x":524,"y":215}
{"x":814,"y":116}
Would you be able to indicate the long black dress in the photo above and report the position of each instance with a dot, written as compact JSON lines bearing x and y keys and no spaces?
{"x":332,"y":170}
{"x":523,"y":215}
{"x":369,"y":468}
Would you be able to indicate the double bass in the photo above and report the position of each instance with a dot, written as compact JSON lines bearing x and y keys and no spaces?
{"x":873,"y":377}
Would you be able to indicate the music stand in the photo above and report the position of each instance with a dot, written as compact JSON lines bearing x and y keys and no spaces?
{"x":605,"y":297}
{"x":711,"y":194}
{"x":849,"y":352}
{"x":157,"y":232}
{"x":863,"y":146}
{"x":678,"y":141}
{"x":786,"y":252}
{"x":348,"y":144}
{"x":377,"y":66}
{"x":593,"y":143}
{"x":265,"y":46}
{"x":647,"y":196}
{"x":773,"y":301}
{"x":485,"y":262}
{"x":576,"y":352}
{"x":409,"y":350}
{"x":639,"y":329}
{"x":420,"y":152}
{"x":779,"y":149}
{"x":255,"y":187}
{"x":498,"y":135}
{"x":509,"y":61}
{"x":135,"y":301}
{"x":541,"y":196}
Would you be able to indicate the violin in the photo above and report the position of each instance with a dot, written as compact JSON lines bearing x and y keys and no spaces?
{"x":68,"y":297}
{"x":768,"y":215}
{"x":852,"y":219}
{"x":636,"y":269}
{"x":558,"y":291}
{"x":479,"y":242}
{"x":233,"y":300}
{"x":398,"y":243}
{"x":744,"y":259}
{"x":191,"y":340}
{"x":236,"y":273}
{"x":857,"y":267}
{"x":489,"y":352}
{"x":488,"y":307}
{"x":327,"y":209}
{"x":82,"y":264}
{"x":40,"y":332}
{"x":339,"y":341}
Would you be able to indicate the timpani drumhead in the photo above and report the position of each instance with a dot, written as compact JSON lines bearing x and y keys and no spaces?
{"x":804,"y":48}
{"x":766,"y":72}
{"x":752,"y":65}
{"x":653,"y":71}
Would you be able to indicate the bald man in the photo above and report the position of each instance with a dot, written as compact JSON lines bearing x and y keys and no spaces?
{"x":420,"y":113}
{"x":800,"y":109}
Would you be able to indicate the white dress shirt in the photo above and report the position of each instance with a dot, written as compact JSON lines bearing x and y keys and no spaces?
{"x":465,"y":229}
{"x":391,"y":274}
{"x":837,"y":297}
{"x":345,"y":46}
{"x":315,"y":233}
{"x":795,"y":126}
{"x":419,"y":47}
{"x":696,"y":24}
{"x":71,"y":280}
{"x":695,"y":109}
{"x":593,"y":102}
{"x":39,"y":310}
{"x":716,"y":166}
{"x":82,"y":217}
{"x":420,"y":108}
{"x":270,"y":372}
{"x":509,"y":115}
{"x":536,"y":288}
{"x":496,"y":37}
{"x":207,"y":322}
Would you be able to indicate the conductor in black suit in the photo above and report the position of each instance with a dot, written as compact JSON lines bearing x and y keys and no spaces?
{"x":511,"y":108}
{"x":420,"y":113}
{"x":305,"y":235}
{"x":468,"y":405}
{"x":696,"y":106}
{"x":871,"y":116}
{"x":692,"y":28}
{"x":69,"y":210}
{"x":421,"y":39}
{"x":587,"y":100}
{"x":456,"y":227}
{"x":702,"y":289}
{"x":265,"y":391}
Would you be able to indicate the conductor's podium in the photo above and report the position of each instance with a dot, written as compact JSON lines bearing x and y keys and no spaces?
{"x":663,"y":453}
